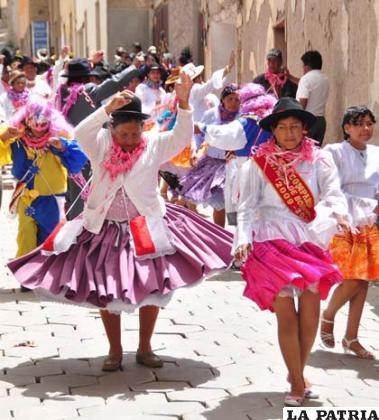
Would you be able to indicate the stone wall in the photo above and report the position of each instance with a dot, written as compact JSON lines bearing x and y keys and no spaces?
{"x":345,"y":33}
{"x":39,"y":10}
{"x":128,"y":21}
{"x":67,"y":22}
{"x":183,"y":27}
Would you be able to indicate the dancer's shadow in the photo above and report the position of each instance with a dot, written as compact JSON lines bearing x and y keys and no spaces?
{"x":365,"y":369}
{"x":59,"y":379}
{"x":13,"y":295}
{"x":252,"y":405}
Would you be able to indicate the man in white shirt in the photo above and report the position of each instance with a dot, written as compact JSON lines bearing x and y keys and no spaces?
{"x":35,"y":83}
{"x":313,"y":91}
{"x":151,"y":93}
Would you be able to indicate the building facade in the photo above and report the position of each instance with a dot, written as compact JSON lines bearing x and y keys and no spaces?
{"x":344,"y":31}
{"x":180,"y":22}
{"x":85,"y":25}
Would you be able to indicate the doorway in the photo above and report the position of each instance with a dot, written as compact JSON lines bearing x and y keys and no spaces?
{"x":280,"y":38}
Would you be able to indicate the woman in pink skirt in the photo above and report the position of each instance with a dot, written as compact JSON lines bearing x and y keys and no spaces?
{"x":129,"y":250}
{"x":290,"y":206}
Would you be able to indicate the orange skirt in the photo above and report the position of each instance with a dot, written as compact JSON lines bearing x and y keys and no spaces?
{"x":357,"y":256}
{"x":183,"y":159}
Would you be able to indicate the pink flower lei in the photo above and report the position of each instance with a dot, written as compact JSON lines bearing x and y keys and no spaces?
{"x":18,"y":99}
{"x":75,"y":90}
{"x":118,"y":161}
{"x":276,"y":80}
{"x":36,"y":142}
{"x":286,"y":160}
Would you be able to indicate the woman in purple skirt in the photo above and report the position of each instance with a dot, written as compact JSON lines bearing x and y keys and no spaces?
{"x":129,"y":250}
{"x":205,"y":182}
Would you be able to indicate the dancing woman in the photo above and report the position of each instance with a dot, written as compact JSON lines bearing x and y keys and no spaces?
{"x":205,"y":182}
{"x":290,"y":205}
{"x":356,"y":252}
{"x":133,"y":251}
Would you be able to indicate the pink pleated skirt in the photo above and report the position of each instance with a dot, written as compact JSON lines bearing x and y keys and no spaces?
{"x":277,"y":265}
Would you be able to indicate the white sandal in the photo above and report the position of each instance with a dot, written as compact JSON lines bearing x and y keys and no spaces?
{"x":363,"y":354}
{"x":327,"y":338}
{"x":293,"y":400}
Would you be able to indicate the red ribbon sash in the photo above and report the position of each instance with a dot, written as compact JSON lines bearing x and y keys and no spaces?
{"x":296,"y":196}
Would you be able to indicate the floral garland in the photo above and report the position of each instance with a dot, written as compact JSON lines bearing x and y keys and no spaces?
{"x":75,"y":90}
{"x":35,"y":142}
{"x":286,"y":160}
{"x":18,"y":99}
{"x":277,"y":81}
{"x":119,"y":161}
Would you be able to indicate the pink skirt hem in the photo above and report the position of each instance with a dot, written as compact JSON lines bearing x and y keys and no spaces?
{"x":273,"y":265}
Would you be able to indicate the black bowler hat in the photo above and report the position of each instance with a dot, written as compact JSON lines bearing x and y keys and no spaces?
{"x":79,"y":67}
{"x":28,"y":60}
{"x":9,"y":54}
{"x":284,"y":108}
{"x":132,"y":110}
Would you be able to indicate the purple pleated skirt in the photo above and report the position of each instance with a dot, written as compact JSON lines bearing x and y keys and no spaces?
{"x":205,"y":183}
{"x":276,"y":265}
{"x":100,"y":270}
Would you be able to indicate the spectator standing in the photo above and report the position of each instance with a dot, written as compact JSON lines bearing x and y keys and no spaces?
{"x":277,"y":80}
{"x":313,"y":92}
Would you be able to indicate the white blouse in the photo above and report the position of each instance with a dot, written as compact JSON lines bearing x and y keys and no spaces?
{"x":212,"y":116}
{"x":263,"y":216}
{"x":151,"y":98}
{"x":200,"y":91}
{"x":358,"y":171}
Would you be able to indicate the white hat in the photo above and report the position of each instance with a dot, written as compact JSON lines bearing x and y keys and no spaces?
{"x":152,"y":49}
{"x":192,"y":71}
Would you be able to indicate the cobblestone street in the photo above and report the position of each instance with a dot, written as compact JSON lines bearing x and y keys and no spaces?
{"x":222,"y":361}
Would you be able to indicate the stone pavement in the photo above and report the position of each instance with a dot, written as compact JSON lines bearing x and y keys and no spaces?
{"x":222,"y":360}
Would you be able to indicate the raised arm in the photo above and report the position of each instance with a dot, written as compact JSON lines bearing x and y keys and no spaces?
{"x":7,"y":136}
{"x":216,"y":82}
{"x":59,"y":67}
{"x":170,"y":143}
{"x":89,"y":132}
{"x":116,"y":83}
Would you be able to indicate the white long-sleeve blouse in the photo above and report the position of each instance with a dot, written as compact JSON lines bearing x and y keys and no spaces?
{"x":263,"y":216}
{"x":358,"y":172}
